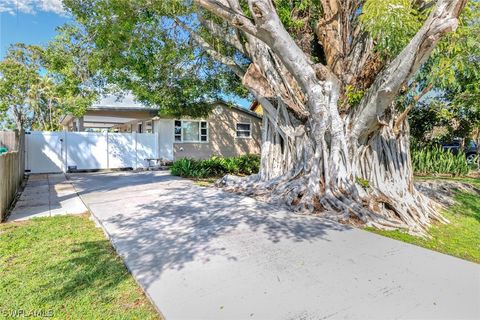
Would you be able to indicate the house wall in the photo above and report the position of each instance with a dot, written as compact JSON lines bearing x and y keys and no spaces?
{"x":258,"y":109}
{"x":222,"y":137}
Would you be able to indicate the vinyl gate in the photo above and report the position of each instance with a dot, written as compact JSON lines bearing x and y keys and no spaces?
{"x":48,"y":152}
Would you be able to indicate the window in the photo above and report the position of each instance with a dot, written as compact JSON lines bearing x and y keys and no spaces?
{"x":191,"y":131}
{"x":244,"y":130}
{"x":203,"y":131}
{"x":178,"y":130}
{"x":149,"y":127}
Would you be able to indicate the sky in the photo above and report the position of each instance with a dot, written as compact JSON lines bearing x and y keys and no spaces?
{"x":29,"y":21}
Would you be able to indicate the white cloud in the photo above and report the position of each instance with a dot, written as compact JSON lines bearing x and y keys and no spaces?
{"x":31,"y":6}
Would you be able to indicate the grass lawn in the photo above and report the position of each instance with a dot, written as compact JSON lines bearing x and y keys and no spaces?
{"x":65,"y":264}
{"x":460,"y":238}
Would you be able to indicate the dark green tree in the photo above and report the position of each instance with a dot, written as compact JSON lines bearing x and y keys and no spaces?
{"x":38,"y":85}
{"x":146,"y":48}
{"x":19,"y":83}
{"x":452,"y":75}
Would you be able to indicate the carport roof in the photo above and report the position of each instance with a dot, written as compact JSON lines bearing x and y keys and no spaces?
{"x":120,"y":106}
{"x":126,"y":103}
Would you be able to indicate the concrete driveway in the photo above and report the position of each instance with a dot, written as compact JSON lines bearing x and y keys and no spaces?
{"x":201,"y":253}
{"x":47,"y":195}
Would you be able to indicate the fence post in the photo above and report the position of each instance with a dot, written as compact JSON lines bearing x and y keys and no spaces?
{"x":3,"y":187}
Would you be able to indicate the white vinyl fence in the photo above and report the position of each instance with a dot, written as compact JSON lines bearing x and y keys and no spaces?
{"x":48,"y":152}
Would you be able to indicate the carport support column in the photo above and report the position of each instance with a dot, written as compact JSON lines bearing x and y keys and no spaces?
{"x":80,"y":125}
{"x":108,"y":149}
{"x":135,"y":137}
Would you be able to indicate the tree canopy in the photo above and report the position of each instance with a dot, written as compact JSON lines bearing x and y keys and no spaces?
{"x":38,"y":85}
{"x":452,"y":75}
{"x":20,"y":84}
{"x":146,"y":48}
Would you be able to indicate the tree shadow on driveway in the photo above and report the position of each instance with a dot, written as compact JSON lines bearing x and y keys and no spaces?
{"x":167,"y":222}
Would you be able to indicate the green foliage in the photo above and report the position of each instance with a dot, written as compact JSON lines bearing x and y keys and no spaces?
{"x":442,"y":121}
{"x":143,"y":49}
{"x":216,"y":166}
{"x":423,"y":119}
{"x":454,"y":71}
{"x":437,"y":161}
{"x":392,"y":23}
{"x":363,"y":182}
{"x":454,"y":63}
{"x":295,"y":14}
{"x":353,"y":95}
{"x":71,"y":61}
{"x":20,"y":82}
{"x":38,"y":84}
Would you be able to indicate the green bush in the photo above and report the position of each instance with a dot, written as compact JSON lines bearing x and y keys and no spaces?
{"x":216,"y":166}
{"x":437,"y":161}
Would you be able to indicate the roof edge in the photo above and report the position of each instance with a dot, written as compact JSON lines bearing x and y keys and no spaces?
{"x":234,"y":106}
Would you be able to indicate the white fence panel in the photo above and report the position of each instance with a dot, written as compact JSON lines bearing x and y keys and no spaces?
{"x":87,"y":150}
{"x":121,"y":150}
{"x":165,"y":127}
{"x":147,"y":148}
{"x":58,"y":151}
{"x":45,"y":152}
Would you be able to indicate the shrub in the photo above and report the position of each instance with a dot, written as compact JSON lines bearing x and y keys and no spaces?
{"x":216,"y":166}
{"x":437,"y":161}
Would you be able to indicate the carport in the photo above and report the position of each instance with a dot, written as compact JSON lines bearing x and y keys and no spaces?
{"x":125,"y":115}
{"x":113,"y":133}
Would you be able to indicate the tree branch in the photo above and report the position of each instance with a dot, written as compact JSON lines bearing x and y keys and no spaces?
{"x":385,"y":88}
{"x":236,"y":19}
{"x":220,"y":32}
{"x":401,"y":118}
{"x":228,"y":61}
{"x":329,"y":33}
{"x":271,"y":31}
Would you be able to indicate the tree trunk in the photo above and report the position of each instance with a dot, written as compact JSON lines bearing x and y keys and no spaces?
{"x":352,"y":167}
{"x":316,"y":168}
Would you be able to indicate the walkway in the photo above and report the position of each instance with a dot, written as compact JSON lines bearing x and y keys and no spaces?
{"x":47,"y":195}
{"x":201,"y":253}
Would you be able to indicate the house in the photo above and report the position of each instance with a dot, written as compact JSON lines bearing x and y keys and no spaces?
{"x":227,"y":131}
{"x":256,"y":107}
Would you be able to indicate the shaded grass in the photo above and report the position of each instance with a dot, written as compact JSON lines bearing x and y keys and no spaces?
{"x":473,"y":181}
{"x":461,"y":237}
{"x":65,"y":264}
{"x":205,"y":182}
